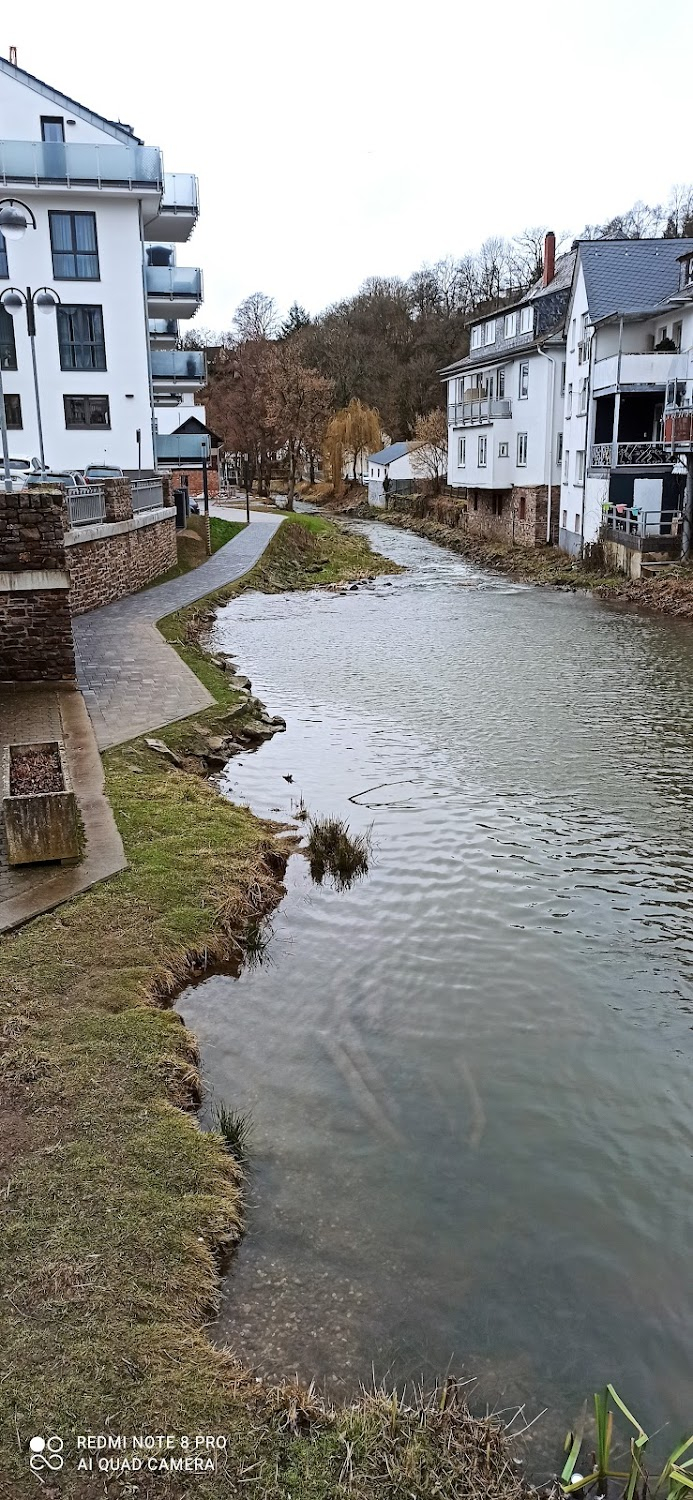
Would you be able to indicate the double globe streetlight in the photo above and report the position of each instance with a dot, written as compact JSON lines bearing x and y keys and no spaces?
{"x":15,"y":218}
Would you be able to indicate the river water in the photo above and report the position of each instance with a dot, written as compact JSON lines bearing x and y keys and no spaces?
{"x":469,"y":1075}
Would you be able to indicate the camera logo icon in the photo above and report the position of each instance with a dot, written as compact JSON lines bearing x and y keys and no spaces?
{"x":46,"y":1453}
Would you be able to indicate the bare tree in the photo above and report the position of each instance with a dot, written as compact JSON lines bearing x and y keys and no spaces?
{"x":428,"y":454}
{"x":298,"y":406}
{"x":256,"y":318}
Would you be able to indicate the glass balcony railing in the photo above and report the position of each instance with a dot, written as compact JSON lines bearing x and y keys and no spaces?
{"x":175,"y":448}
{"x":79,"y":165}
{"x":179,"y":364}
{"x":180,"y":193}
{"x":163,"y":328}
{"x":174,"y":281}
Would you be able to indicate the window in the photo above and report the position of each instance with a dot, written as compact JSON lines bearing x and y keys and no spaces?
{"x":4,"y":269}
{"x":523,"y":507}
{"x":462,"y":453}
{"x":80,"y":336}
{"x":510,"y":325}
{"x":86,"y":411}
{"x":13,"y":411}
{"x":476,"y":502}
{"x":577,"y":522}
{"x":497,"y":505}
{"x":477,"y":336}
{"x":579,"y":465}
{"x":563,"y":379}
{"x":566,"y":465}
{"x":8,"y":352}
{"x":52,"y":128}
{"x":565,"y":520}
{"x":523,"y":381}
{"x":676,"y":334}
{"x":521,"y":449}
{"x":569,"y":401}
{"x":582,"y":397}
{"x":73,"y":243}
{"x":500,"y":384}
{"x":526,"y":320}
{"x":502,"y":450}
{"x":490,"y":332}
{"x":482,"y":452}
{"x":572,"y":335}
{"x":559,"y":448}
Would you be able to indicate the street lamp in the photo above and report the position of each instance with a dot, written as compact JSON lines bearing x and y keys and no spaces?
{"x":15,"y":218}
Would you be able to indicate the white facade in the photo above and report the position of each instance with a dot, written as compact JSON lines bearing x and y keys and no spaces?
{"x":618,"y":368}
{"x":94,"y":367}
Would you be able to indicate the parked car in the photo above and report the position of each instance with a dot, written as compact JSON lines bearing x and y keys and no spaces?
{"x":95,"y":472}
{"x":68,"y":479}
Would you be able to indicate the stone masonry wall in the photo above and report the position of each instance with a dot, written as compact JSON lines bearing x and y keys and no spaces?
{"x":514,"y":515}
{"x":35,"y":627}
{"x":104,"y":568}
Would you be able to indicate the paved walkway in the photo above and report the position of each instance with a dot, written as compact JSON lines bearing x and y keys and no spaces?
{"x":134,"y":682}
{"x":45,"y":713}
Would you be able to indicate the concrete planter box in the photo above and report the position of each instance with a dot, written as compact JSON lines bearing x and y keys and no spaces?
{"x":40,"y":826}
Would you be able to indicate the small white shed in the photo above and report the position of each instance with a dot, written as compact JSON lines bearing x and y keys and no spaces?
{"x":393,"y":462}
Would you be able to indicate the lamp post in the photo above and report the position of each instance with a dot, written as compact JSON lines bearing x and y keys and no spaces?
{"x":46,"y":299}
{"x":15,"y":219}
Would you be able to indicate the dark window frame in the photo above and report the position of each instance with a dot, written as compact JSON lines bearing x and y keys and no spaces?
{"x":55,"y":213}
{"x":52,"y":120}
{"x":96,"y":345}
{"x":87,"y":426}
{"x":10,"y":424}
{"x":7,"y":344}
{"x":4,"y":266}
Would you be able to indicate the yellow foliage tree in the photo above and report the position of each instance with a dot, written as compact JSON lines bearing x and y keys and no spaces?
{"x":351,"y":433}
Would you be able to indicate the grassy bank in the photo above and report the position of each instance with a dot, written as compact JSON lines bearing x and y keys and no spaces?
{"x":114,"y":1205}
{"x":670,"y":593}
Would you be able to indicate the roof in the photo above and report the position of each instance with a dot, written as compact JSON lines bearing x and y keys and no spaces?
{"x":563,"y":275}
{"x":388,"y":455}
{"x":630,"y":277}
{"x":114,"y":127}
{"x":194,"y":425}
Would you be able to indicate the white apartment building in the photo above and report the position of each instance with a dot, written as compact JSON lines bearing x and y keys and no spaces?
{"x":629,"y":325}
{"x":505,"y":411}
{"x":102,"y":222}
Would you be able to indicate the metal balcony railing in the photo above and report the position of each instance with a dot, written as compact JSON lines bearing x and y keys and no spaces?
{"x":626,"y":521}
{"x":630,"y":455}
{"x":79,"y":165}
{"x":147,"y":494}
{"x":179,"y":365}
{"x":86,"y":504}
{"x":173,"y":448}
{"x":174,"y":281}
{"x":678,"y":426}
{"x":462,"y":413}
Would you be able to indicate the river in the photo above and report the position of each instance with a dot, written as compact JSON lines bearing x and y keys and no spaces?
{"x":469,"y":1075}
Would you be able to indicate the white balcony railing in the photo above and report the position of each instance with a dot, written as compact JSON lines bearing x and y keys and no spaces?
{"x":461,"y":413}
{"x":638,"y":369}
{"x":78,"y":164}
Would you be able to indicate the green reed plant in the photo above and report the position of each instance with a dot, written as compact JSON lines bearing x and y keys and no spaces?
{"x":674,"y":1482}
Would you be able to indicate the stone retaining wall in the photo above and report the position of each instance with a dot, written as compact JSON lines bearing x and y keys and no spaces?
{"x":35,"y":627}
{"x":514,"y":515}
{"x":110,"y":560}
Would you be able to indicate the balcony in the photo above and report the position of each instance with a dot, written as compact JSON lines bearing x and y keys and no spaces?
{"x":42,"y":164}
{"x":637,"y":370}
{"x":475,"y":413}
{"x":630,"y":456}
{"x":186,"y":369}
{"x":173,"y":289}
{"x":178,"y":210}
{"x":163,"y":333}
{"x":174,"y":448}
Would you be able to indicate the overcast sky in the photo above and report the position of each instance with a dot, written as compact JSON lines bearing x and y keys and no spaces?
{"x":333,"y":143}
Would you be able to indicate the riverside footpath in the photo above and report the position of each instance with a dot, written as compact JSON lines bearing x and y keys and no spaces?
{"x":133,"y":682}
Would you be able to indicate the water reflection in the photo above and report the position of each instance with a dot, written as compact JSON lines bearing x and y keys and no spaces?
{"x":469,"y":1074}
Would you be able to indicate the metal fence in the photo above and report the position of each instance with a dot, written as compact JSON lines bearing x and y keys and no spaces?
{"x":630,"y":455}
{"x":147,"y":494}
{"x":86,"y":504}
{"x":621,"y":521}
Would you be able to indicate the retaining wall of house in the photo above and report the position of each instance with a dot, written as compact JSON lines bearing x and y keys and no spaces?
{"x":36,"y":642}
{"x":515,"y":515}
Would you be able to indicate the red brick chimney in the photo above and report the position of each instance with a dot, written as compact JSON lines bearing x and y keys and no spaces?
{"x":549,"y":258}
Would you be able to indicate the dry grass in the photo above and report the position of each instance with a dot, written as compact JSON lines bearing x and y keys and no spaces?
{"x":335,"y":852}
